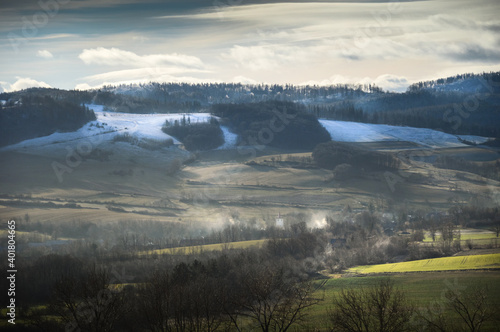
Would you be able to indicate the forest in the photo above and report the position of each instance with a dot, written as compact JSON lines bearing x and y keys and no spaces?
{"x":36,"y":116}
{"x":196,"y":136}
{"x":274,"y":123}
{"x":465,"y":104}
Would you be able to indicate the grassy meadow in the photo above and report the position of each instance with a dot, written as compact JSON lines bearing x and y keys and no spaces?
{"x":421,"y":289}
{"x":207,"y":247}
{"x":469,"y":234}
{"x":473,"y":262}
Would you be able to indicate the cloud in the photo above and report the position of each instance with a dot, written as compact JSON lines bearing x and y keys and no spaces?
{"x":453,"y":21}
{"x":244,"y":80}
{"x":83,"y":86}
{"x":114,"y":56}
{"x":474,"y":53}
{"x":44,"y":54}
{"x":57,"y":36}
{"x":387,"y":82}
{"x":23,"y":83}
{"x":333,"y":80}
{"x":161,"y":79}
{"x":272,"y":41}
{"x":140,"y":39}
{"x":140,"y":68}
{"x":264,"y":57}
{"x":148,"y":74}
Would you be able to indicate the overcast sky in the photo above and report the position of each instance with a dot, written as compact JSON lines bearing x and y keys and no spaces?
{"x":87,"y":43}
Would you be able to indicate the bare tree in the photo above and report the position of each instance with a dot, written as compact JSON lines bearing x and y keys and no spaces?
{"x":471,"y":307}
{"x":155,"y":301}
{"x":87,"y":303}
{"x":433,"y":231}
{"x":381,"y":308}
{"x":181,"y":302}
{"x":273,"y":300}
{"x":496,"y":227}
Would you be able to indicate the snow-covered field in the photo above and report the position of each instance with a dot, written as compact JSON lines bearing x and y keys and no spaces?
{"x":148,"y":126}
{"x":344,"y":131}
{"x":110,"y":124}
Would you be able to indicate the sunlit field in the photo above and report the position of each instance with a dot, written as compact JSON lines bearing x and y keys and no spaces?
{"x":473,"y":262}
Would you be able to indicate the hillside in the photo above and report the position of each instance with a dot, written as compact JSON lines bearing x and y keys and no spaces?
{"x":466,"y":104}
{"x":149,"y":126}
{"x":278,"y":124}
{"x":40,"y":116}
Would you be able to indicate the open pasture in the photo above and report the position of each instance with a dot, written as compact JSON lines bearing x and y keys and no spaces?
{"x":474,"y":262}
{"x":206,"y":247}
{"x":421,"y":289}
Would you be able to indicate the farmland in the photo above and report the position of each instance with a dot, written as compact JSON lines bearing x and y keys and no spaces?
{"x":473,"y":262}
{"x":206,"y":247}
{"x":468,"y":234}
{"x":422,"y":289}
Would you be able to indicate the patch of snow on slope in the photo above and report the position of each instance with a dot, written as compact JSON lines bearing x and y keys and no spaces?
{"x":110,"y":124}
{"x":145,"y":125}
{"x":230,"y":139}
{"x":344,"y":131}
{"x":148,"y":126}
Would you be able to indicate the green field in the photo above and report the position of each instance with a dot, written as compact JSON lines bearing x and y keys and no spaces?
{"x":473,"y":262}
{"x":206,"y":247}
{"x":422,"y":289}
{"x":466,"y":235}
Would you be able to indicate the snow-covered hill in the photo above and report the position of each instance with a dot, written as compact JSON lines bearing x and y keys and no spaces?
{"x":144,"y":125}
{"x":148,"y":126}
{"x":110,"y":124}
{"x":344,"y":131}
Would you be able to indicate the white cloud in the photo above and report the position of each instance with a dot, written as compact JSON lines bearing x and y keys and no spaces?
{"x":265,"y":57}
{"x":44,"y":54}
{"x":83,"y":86}
{"x":387,"y":82}
{"x":161,"y":79}
{"x":115,"y":56}
{"x":140,"y":39}
{"x":458,"y":22}
{"x":244,"y":80}
{"x":148,"y":74}
{"x":23,"y":83}
{"x":57,"y":36}
{"x":276,"y":42}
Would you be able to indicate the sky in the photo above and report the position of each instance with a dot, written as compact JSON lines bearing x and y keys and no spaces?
{"x":82,"y":44}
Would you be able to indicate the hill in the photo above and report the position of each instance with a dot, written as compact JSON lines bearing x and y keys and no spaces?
{"x":472,"y":262}
{"x":465,"y":104}
{"x":35,"y":116}
{"x":274,"y":123}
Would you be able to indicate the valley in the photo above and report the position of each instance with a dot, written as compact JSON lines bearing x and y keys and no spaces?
{"x":374,"y":203}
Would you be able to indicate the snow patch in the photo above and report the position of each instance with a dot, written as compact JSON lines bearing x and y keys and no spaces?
{"x":148,"y":126}
{"x":230,"y":139}
{"x":110,"y":124}
{"x":344,"y":131}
